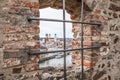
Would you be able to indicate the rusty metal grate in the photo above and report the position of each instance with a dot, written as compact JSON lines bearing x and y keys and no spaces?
{"x":64,"y":37}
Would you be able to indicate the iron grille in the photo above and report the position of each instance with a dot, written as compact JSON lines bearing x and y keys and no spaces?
{"x":64,"y":37}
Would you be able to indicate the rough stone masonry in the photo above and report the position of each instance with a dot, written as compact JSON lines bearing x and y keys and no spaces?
{"x":17,"y":35}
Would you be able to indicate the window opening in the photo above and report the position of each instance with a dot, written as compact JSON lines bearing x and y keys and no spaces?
{"x":51,"y":38}
{"x":64,"y":21}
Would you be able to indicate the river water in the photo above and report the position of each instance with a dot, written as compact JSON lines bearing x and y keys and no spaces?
{"x":56,"y":62}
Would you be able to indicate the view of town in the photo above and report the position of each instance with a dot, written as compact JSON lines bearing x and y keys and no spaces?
{"x":51,"y":44}
{"x":51,"y":39}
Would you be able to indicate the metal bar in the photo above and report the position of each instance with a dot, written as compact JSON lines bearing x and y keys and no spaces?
{"x":45,"y":52}
{"x":82,"y":34}
{"x":64,"y":37}
{"x":56,"y":20}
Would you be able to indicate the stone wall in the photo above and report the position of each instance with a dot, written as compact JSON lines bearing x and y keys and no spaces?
{"x":105,"y":63}
{"x":17,"y":35}
{"x":108,"y":67}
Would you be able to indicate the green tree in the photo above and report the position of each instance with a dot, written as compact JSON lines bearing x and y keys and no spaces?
{"x":46,"y":35}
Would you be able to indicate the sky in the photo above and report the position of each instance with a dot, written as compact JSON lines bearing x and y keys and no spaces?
{"x":54,"y":27}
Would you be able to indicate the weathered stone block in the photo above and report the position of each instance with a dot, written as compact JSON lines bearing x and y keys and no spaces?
{"x":11,"y":29}
{"x":3,"y":20}
{"x":96,"y":38}
{"x":91,"y":3}
{"x":14,"y":29}
{"x":76,"y":29}
{"x":22,"y":54}
{"x":97,"y":11}
{"x":11,"y":62}
{"x":29,"y":4}
{"x":32,"y":37}
{"x":87,"y":38}
{"x":17,"y":70}
{"x":14,"y":46}
{"x":114,"y":7}
{"x":33,"y":45}
{"x":76,"y":44}
{"x":89,"y":43}
{"x":98,"y":75}
{"x":26,"y":11}
{"x":32,"y":30}
{"x":31,"y":67}
{"x":13,"y":37}
{"x":11,"y":55}
{"x":35,"y":58}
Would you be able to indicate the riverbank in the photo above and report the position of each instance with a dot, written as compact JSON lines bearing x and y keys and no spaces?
{"x":42,"y":59}
{"x":58,"y":61}
{"x":51,"y":56}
